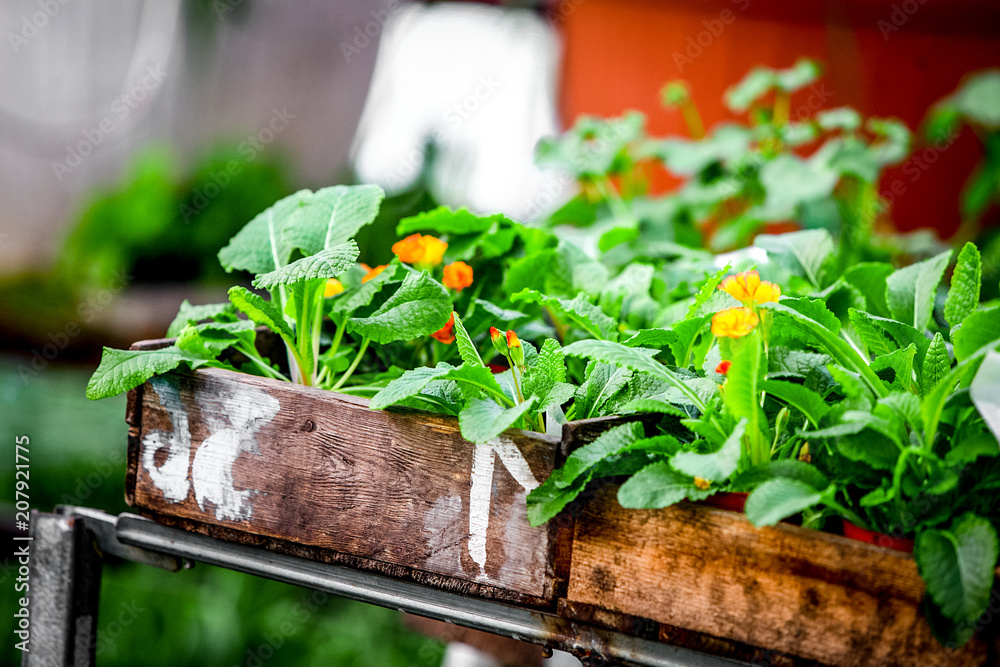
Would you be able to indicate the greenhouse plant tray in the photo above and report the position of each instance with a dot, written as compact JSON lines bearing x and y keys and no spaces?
{"x":318,"y":474}
{"x":784,"y":595}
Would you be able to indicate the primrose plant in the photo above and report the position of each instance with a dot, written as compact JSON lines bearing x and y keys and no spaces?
{"x":295,"y":249}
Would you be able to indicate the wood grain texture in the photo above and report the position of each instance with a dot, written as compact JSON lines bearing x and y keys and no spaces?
{"x":794,"y":591}
{"x":320,"y":469}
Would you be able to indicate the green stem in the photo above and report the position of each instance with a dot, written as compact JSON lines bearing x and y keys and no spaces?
{"x":263,"y":365}
{"x":354,"y":364}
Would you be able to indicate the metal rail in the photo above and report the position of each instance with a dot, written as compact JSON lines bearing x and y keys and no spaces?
{"x":66,"y":561}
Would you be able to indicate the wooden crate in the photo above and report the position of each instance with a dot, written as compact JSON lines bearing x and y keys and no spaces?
{"x":798,"y":593}
{"x":318,"y":474}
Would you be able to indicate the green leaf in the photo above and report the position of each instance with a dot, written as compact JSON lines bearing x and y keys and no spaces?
{"x":963,"y":295}
{"x":122,"y":370}
{"x":442,"y":220}
{"x":610,"y":443}
{"x":805,"y":253}
{"x":652,"y":338}
{"x":985,"y":392}
{"x":579,"y":310}
{"x":815,"y":310}
{"x":210,"y":339}
{"x":602,"y":382}
{"x":262,"y":312}
{"x":937,"y":363}
{"x":190,"y":314}
{"x":742,"y":393}
{"x":715,"y":466}
{"x":332,"y":216}
{"x":782,"y":469}
{"x":903,"y":335}
{"x":528,"y":272}
{"x":707,"y":290}
{"x":634,"y":358}
{"x":658,"y":485}
{"x":957,"y":566}
{"x":547,"y":371}
{"x":901,"y":363}
{"x":651,"y":406}
{"x":910,"y":291}
{"x":548,"y":500}
{"x":362,"y":295}
{"x":482,"y":420}
{"x":869,"y":279}
{"x":419,"y":307}
{"x":778,"y":499}
{"x":799,"y":397}
{"x":978,"y":329}
{"x":260,"y":247}
{"x":785,"y":362}
{"x":875,"y":338}
{"x":327,"y":263}
{"x":687,"y":333}
{"x":408,"y":384}
{"x":466,"y":348}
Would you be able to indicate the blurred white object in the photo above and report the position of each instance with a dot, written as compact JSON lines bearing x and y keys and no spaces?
{"x":480,"y":83}
{"x":463,"y":655}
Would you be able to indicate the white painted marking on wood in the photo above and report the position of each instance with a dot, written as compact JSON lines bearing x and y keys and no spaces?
{"x":247,"y":410}
{"x":480,"y":494}
{"x":171,"y":478}
{"x":481,"y":490}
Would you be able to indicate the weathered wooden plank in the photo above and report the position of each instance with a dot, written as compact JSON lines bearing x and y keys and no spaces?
{"x":320,"y":469}
{"x":786,"y":589}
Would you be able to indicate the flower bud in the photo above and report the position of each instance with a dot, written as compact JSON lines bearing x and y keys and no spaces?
{"x":498,"y":341}
{"x":516,"y":351}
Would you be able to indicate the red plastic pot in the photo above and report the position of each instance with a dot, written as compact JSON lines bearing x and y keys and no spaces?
{"x":726,"y":500}
{"x":854,"y":532}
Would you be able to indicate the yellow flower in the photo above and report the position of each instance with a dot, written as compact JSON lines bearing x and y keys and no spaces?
{"x":333,"y":288}
{"x":734,"y":322}
{"x":702,"y":483}
{"x":421,"y":251}
{"x":747,"y":287}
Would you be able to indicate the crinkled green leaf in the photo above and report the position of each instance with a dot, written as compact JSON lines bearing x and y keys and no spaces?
{"x":957,"y":566}
{"x":418,"y":308}
{"x":326,"y":263}
{"x":442,"y":220}
{"x":977,"y":330}
{"x":122,"y":370}
{"x":191,"y":314}
{"x":466,"y":348}
{"x":579,"y":310}
{"x":806,"y":253}
{"x":910,"y":291}
{"x":937,"y":363}
{"x":747,"y":480}
{"x":658,"y":485}
{"x":332,"y":216}
{"x":262,"y":312}
{"x":963,"y":295}
{"x":778,"y":499}
{"x":260,"y":247}
{"x":362,"y":295}
{"x":482,"y":420}
{"x":408,"y":384}
{"x":707,"y":290}
{"x":714,"y":466}
{"x":901,"y":363}
{"x":799,"y":397}
{"x":609,"y":443}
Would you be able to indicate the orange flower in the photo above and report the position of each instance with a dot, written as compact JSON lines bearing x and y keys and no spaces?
{"x":421,"y":251}
{"x":734,"y":322}
{"x":446,"y":334}
{"x":372,"y":272}
{"x":498,"y":341}
{"x":723,"y":367}
{"x":512,"y":339}
{"x":747,"y":287}
{"x":333,"y":288}
{"x":457,"y":276}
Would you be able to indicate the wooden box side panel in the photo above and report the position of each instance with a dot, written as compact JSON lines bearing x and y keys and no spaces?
{"x":787,"y":589}
{"x":321,"y":469}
